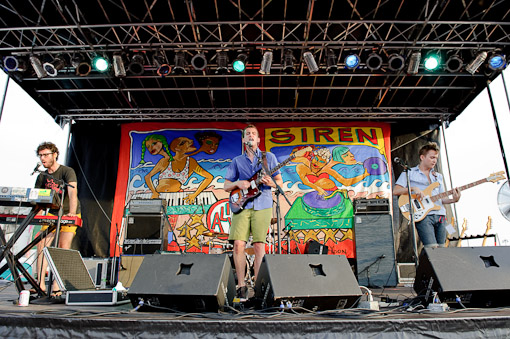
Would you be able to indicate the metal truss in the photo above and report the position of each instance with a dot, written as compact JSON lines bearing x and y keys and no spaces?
{"x":375,"y":34}
{"x":248,"y":114}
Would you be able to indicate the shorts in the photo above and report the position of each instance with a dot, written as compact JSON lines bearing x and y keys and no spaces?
{"x":249,"y":220}
{"x":64,"y":228}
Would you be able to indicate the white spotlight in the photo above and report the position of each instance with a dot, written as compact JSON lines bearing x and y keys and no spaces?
{"x":310,"y":62}
{"x":265,"y":65}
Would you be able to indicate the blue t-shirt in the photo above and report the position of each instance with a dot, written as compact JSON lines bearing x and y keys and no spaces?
{"x":418,"y":179}
{"x":242,"y":168}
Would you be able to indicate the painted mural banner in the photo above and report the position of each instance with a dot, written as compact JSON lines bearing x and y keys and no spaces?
{"x":185,"y":165}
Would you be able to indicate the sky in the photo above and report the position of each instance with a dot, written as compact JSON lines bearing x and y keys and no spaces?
{"x":470,"y":141}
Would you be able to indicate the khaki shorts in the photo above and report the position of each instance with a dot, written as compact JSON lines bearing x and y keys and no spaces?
{"x":64,"y":228}
{"x":249,"y":220}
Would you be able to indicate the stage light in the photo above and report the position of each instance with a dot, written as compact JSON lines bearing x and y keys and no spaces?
{"x":414,"y":63}
{"x":239,"y":64}
{"x":288,"y":62}
{"x":497,"y":62}
{"x":374,"y":62}
{"x":310,"y":62}
{"x":432,"y":61}
{"x":199,"y":62}
{"x":179,"y":63}
{"x":38,"y":67}
{"x":473,"y":66}
{"x":135,"y":67}
{"x":396,"y":62}
{"x":82,"y":67}
{"x":118,"y":66}
{"x":13,"y":64}
{"x":222,"y":62}
{"x":265,"y":65}
{"x":164,"y":70}
{"x":331,"y":65}
{"x":53,"y":67}
{"x":100,"y":64}
{"x":454,"y":64}
{"x":159,"y":60}
{"x":352,"y":61}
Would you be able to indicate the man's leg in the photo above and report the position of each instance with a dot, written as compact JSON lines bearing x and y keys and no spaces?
{"x":42,"y":264}
{"x":240,"y":261}
{"x":260,"y":251}
{"x":426,"y":231}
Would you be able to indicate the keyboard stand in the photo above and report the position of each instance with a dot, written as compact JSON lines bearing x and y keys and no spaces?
{"x":12,"y":261}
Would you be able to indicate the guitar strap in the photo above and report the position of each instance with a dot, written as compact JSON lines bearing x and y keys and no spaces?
{"x":264,"y":163}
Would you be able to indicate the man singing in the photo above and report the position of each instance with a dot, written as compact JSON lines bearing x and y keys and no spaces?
{"x":52,"y":179}
{"x":255,"y":217}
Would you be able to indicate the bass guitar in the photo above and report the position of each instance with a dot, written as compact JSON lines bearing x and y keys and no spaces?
{"x":238,"y":197}
{"x":424,"y":206}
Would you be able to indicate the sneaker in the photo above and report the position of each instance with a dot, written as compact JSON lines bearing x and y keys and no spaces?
{"x":242,"y":293}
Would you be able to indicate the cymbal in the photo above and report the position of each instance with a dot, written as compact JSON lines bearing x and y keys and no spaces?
{"x":215,"y":234}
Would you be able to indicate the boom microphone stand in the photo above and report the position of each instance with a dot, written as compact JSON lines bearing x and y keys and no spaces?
{"x":411,"y":208}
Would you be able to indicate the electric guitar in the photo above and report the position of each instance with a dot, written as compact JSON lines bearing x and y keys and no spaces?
{"x":238,"y":197}
{"x":424,"y":206}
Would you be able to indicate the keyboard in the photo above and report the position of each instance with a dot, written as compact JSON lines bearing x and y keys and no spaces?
{"x":177,"y":205}
{"x":40,"y":219}
{"x":12,"y":196}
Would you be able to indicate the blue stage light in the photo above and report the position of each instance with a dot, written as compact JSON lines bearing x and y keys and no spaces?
{"x":352,"y":61}
{"x":497,"y":62}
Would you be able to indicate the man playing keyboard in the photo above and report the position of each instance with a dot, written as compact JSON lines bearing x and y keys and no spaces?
{"x":51,"y":179}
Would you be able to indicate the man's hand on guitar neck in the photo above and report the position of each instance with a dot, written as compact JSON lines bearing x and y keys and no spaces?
{"x":455,"y":197}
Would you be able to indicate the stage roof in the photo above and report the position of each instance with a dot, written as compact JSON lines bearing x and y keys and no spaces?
{"x":147,"y":35}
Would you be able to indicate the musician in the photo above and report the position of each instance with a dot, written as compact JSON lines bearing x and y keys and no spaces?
{"x":51,"y":178}
{"x":255,"y":217}
{"x":431,"y":229}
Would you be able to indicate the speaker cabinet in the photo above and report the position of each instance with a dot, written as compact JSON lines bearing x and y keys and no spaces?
{"x":144,"y":234}
{"x":128,"y":267}
{"x":479,"y":276}
{"x":315,"y":282}
{"x":184,"y":282}
{"x":375,"y":251}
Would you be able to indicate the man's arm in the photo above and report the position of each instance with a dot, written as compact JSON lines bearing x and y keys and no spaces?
{"x":73,"y":198}
{"x":454,"y":199}
{"x":241,"y":184}
{"x":401,"y":190}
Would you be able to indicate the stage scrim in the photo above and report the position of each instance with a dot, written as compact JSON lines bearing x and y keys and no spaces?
{"x":186,"y":163}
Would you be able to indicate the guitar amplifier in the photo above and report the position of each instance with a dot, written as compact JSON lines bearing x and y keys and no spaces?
{"x":147,"y":206}
{"x":144,"y":234}
{"x":371,"y":206}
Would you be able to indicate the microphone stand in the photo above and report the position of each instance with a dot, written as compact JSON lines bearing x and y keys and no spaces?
{"x":61,"y":186}
{"x":411,"y":212}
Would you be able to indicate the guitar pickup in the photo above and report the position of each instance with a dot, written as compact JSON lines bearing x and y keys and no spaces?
{"x":253,"y":184}
{"x":404,"y":208}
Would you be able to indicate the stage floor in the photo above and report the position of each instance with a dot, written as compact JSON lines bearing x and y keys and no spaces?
{"x":49,"y":320}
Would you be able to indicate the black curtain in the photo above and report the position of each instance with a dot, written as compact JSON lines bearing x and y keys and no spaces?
{"x":94,"y":155}
{"x":406,"y":143}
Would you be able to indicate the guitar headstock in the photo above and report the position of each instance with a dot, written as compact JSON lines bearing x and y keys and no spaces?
{"x":498,"y":176}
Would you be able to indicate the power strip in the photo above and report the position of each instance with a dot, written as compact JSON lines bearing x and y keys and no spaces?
{"x":369,"y":305}
{"x":438,"y":307}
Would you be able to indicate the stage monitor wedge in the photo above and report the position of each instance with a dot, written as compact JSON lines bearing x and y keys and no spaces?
{"x":479,"y":276}
{"x":184,"y":282}
{"x":312,"y":281}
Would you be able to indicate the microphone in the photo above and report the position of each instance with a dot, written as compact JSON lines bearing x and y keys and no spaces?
{"x":36,"y":168}
{"x":398,"y":160}
{"x":248,"y":143}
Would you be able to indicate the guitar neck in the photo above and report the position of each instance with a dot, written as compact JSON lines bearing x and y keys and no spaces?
{"x":447,"y":193}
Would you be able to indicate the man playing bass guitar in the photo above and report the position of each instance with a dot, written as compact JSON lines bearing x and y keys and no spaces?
{"x":431,"y":229}
{"x":255,"y":216}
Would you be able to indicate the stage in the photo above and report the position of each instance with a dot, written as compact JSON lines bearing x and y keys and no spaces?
{"x":45,"y":320}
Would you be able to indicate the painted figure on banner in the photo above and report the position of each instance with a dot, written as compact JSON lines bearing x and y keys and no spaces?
{"x":175,"y":170}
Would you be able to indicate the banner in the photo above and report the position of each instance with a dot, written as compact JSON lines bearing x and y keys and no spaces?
{"x":185,"y":164}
